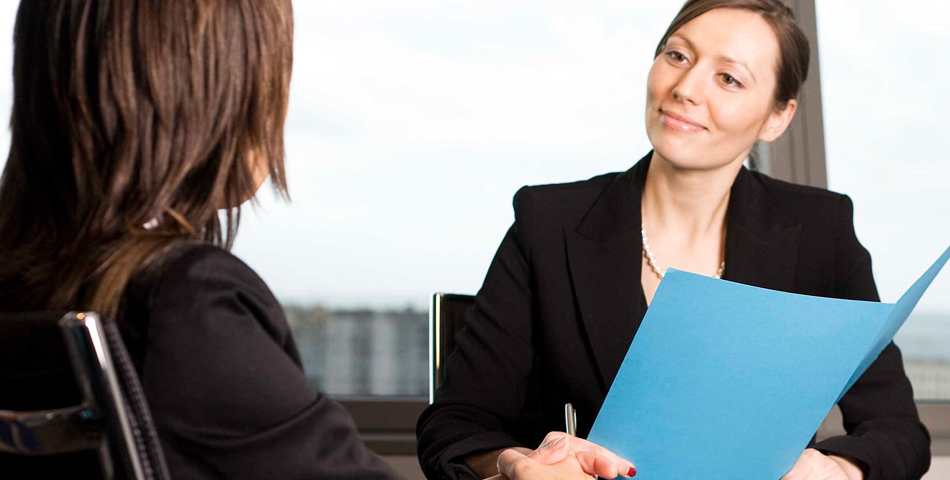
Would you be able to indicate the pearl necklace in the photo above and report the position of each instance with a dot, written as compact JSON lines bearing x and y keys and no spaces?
{"x":662,"y":273}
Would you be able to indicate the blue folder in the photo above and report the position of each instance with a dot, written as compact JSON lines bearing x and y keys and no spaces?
{"x":717,"y":364}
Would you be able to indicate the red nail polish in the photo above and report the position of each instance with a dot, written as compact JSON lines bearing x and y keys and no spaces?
{"x":632,"y":472}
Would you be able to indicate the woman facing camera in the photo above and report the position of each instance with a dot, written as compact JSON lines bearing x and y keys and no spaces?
{"x":575,"y":274}
{"x":134,"y":123}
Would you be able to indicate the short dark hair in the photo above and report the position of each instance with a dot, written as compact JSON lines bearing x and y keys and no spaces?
{"x":792,"y":68}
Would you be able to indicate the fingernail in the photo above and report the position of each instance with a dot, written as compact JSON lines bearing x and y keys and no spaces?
{"x":632,"y":472}
{"x":558,"y":441}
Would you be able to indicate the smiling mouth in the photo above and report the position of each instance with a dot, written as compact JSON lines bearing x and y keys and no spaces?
{"x":679,"y":123}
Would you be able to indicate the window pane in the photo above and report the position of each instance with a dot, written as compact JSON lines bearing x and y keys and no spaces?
{"x":884,"y":69}
{"x":411,"y":126}
{"x":364,"y":352}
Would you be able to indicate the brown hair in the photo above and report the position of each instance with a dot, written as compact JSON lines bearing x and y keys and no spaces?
{"x":129,"y":113}
{"x":792,"y":68}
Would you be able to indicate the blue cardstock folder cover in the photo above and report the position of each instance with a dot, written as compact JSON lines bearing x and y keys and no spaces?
{"x":717,"y":364}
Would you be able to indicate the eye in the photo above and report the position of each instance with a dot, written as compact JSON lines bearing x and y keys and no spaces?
{"x":676,"y":57}
{"x":730,"y":80}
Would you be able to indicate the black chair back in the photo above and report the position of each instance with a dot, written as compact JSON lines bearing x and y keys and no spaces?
{"x":446,"y":318}
{"x":70,"y":402}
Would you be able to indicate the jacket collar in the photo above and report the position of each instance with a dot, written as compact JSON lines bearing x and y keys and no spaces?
{"x":604,"y":257}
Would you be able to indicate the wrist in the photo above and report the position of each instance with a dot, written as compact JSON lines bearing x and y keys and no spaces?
{"x":485,"y":464}
{"x":850,"y":467}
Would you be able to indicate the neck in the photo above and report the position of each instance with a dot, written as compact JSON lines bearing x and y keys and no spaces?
{"x":686,"y":203}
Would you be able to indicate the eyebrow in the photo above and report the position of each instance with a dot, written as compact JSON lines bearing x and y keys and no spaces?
{"x":721,"y":58}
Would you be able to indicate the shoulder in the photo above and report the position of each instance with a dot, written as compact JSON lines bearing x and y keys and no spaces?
{"x":806,"y":204}
{"x":836,"y":263}
{"x":213,"y":345}
{"x":788,"y":192}
{"x":200,"y":263}
{"x":561,"y":193}
{"x":194,"y":284}
{"x":561,"y":201}
{"x":191,"y":269}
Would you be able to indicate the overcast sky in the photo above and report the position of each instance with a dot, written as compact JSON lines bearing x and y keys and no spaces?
{"x":413,"y":123}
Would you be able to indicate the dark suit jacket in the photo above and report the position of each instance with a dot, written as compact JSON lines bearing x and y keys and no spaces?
{"x":223,"y":378}
{"x":562,"y":302}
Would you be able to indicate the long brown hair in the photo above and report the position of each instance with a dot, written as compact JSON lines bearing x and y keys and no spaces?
{"x":792,"y":68}
{"x":133,"y":122}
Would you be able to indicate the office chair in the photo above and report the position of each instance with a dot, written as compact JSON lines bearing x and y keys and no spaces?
{"x":70,"y":402}
{"x":445,"y":319}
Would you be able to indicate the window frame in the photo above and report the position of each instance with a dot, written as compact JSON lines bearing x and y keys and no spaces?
{"x":936,"y":416}
{"x":387,"y":425}
{"x":799,"y":155}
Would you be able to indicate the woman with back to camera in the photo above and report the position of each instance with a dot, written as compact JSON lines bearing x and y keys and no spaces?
{"x":572,"y":279}
{"x":134,"y":122}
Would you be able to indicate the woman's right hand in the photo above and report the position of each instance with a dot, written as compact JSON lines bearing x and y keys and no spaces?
{"x":562,"y":456}
{"x":563,"y":451}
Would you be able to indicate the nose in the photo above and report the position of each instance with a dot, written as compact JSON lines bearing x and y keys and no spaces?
{"x":689,"y":88}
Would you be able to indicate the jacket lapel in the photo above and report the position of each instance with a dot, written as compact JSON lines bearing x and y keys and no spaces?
{"x":604,"y":266}
{"x":604,"y":257}
{"x":761,"y":238}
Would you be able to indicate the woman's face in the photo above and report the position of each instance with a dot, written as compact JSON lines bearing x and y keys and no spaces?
{"x":710,"y":91}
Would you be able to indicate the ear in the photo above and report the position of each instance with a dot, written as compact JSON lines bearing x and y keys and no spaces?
{"x":778,"y":122}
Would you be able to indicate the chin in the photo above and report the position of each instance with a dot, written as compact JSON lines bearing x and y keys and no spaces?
{"x":681,"y":153}
{"x":688,"y":154}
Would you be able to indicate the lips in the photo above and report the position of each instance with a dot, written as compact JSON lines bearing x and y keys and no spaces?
{"x":680,"y":123}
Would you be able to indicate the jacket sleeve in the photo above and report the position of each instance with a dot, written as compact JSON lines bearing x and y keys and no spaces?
{"x":884,"y":432}
{"x":224,"y":382}
{"x":485,"y":376}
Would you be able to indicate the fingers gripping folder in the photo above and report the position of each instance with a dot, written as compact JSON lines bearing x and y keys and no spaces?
{"x":716,"y":362}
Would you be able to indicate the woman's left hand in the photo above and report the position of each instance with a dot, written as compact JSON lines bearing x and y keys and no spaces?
{"x":814,"y":465}
{"x":562,"y":456}
{"x":555,"y":461}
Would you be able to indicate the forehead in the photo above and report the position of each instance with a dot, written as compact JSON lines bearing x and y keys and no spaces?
{"x":737,"y":34}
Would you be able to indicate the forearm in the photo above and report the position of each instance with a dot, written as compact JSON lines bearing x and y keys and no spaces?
{"x":889,"y":449}
{"x":884,"y":430}
{"x":485,"y":464}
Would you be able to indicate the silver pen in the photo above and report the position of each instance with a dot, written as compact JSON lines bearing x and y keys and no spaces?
{"x":570,"y":419}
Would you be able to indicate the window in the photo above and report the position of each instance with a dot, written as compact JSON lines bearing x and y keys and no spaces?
{"x":885,"y":148}
{"x":364,"y":352}
{"x":410,"y":129}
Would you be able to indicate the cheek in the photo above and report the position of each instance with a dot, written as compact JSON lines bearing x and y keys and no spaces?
{"x":737,"y":116}
{"x":657,"y":82}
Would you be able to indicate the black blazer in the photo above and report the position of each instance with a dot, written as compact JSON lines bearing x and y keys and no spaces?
{"x":562,"y":302}
{"x":223,"y":378}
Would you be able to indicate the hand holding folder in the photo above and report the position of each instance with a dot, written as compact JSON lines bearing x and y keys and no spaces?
{"x":715,"y":363}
